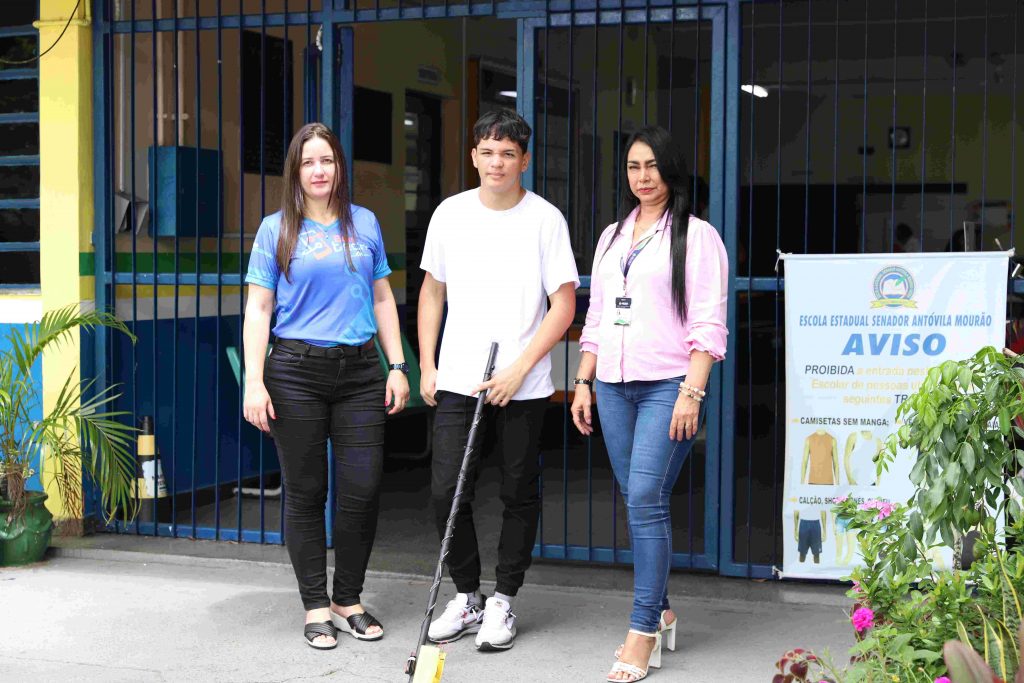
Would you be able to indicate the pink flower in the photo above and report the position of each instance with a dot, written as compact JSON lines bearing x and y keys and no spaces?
{"x":884,"y":509}
{"x":942,"y":679}
{"x":856,"y":586}
{"x":841,"y":499}
{"x":863,"y":619}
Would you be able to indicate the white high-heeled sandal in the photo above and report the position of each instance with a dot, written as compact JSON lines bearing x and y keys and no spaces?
{"x":668,"y":632}
{"x":654,"y":662}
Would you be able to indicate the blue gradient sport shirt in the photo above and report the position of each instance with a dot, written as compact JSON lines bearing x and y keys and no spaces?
{"x":326,"y":303}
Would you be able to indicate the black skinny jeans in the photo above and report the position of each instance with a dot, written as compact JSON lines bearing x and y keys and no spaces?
{"x":517,"y":430}
{"x":316,"y":398}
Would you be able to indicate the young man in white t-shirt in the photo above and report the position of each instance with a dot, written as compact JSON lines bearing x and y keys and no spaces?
{"x":501,"y":255}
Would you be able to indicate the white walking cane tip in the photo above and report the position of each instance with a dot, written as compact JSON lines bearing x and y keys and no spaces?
{"x":429,"y":665}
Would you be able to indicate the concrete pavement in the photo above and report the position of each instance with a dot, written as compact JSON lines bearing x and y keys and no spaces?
{"x":101,"y":614}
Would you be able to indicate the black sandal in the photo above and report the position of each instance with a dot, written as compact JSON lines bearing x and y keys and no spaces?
{"x":357,"y":625}
{"x":322,"y":628}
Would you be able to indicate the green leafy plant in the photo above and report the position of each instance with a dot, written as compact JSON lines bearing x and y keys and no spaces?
{"x":966,"y":665}
{"x":964,"y":428}
{"x":79,"y":434}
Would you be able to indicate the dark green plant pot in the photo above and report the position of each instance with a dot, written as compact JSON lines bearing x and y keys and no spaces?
{"x":25,"y":540}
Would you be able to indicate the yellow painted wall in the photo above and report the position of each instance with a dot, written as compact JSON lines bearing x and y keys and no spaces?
{"x":66,"y":196}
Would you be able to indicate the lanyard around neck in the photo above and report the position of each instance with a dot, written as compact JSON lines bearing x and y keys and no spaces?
{"x":624,"y":266}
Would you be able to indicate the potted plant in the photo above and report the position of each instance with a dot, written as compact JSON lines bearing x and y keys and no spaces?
{"x":80,"y":435}
{"x":964,"y":425}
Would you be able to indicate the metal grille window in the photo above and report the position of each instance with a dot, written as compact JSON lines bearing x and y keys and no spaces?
{"x":19,"y":147}
{"x":866,"y":126}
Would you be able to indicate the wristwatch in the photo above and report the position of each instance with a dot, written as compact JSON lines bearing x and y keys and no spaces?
{"x":404,"y":367}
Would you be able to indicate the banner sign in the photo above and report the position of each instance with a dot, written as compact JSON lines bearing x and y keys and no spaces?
{"x":861,"y":333}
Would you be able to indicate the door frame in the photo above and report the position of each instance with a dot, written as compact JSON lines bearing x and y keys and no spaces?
{"x":718,"y":470}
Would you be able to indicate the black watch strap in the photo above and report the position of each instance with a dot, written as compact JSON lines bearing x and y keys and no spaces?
{"x":404,"y":367}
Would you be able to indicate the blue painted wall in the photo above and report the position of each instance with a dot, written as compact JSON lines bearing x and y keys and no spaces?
{"x":34,"y":484}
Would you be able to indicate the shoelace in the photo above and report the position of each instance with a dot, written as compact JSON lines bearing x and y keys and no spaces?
{"x":493,"y":615}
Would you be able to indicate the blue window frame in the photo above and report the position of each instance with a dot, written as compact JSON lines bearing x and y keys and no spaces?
{"x":19,"y":148}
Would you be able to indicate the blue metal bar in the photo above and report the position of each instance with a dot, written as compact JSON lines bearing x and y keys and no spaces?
{"x":263,"y":212}
{"x":130,"y":88}
{"x":18,"y":246}
{"x":835,"y":137}
{"x":864,"y":141}
{"x":178,"y":142}
{"x":510,"y":10}
{"x":647,"y":47}
{"x":892,"y":157}
{"x":22,"y":30}
{"x":807,"y":134}
{"x":984,"y":134}
{"x":203,"y":533}
{"x":18,"y":74}
{"x":924,"y":127}
{"x":750,"y":307}
{"x":94,"y":346}
{"x":286,"y":105}
{"x":724,"y":192}
{"x":20,"y":160}
{"x":154,"y":212}
{"x":778,"y":423}
{"x":241,"y":291}
{"x":19,"y":203}
{"x":1013,"y":119}
{"x":619,"y":165}
{"x":185,"y":279}
{"x":526,"y":75}
{"x":952,"y":130}
{"x":20,"y":117}
{"x":526,"y":30}
{"x":758,"y":284}
{"x":346,"y":86}
{"x":589,"y":439}
{"x":198,"y":302}
{"x":570,"y":130}
{"x":698,"y":82}
{"x":724,"y":184}
{"x":613,"y":555}
{"x":219,"y":343}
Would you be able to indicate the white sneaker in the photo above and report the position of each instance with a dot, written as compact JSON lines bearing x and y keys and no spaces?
{"x":498,"y":631}
{"x":459,"y":618}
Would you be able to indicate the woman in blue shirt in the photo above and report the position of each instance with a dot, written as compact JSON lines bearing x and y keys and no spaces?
{"x":319,"y":266}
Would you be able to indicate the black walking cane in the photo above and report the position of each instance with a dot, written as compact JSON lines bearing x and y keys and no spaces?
{"x":426,"y":662}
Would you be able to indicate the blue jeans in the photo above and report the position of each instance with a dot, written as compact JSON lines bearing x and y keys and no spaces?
{"x":635,"y":417}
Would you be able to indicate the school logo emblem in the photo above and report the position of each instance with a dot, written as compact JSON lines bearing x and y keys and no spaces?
{"x":894,"y":288}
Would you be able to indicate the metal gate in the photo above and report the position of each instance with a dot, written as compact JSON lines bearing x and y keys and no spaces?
{"x":811,"y":126}
{"x":191,"y":132}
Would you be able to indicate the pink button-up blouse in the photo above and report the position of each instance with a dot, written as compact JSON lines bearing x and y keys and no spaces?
{"x":656,"y":344}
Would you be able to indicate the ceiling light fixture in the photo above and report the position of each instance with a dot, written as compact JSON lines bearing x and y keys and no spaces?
{"x":755,"y":90}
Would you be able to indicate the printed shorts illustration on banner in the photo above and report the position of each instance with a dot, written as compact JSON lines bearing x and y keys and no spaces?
{"x":861,"y":333}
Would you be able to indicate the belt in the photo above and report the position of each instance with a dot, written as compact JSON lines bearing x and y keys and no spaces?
{"x":323,"y":351}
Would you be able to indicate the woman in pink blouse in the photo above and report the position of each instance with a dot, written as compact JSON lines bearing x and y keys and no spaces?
{"x":655,"y":326}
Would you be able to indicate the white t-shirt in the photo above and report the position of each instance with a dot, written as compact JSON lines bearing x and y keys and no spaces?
{"x":499,"y":267}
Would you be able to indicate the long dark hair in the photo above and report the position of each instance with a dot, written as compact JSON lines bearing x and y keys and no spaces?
{"x":672,"y":168}
{"x":293,"y":201}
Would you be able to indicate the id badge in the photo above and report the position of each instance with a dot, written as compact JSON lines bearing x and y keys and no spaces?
{"x":623,"y":310}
